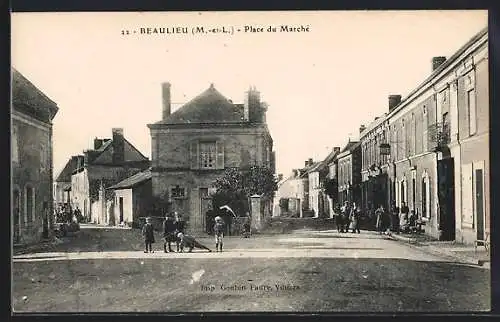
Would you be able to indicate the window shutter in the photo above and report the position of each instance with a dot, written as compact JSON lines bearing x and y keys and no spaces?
{"x":219,"y":150}
{"x":193,"y":153}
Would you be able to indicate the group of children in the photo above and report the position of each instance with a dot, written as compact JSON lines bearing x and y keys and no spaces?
{"x":174,"y":232}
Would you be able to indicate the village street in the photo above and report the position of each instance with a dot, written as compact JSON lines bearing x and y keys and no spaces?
{"x":103,"y":270}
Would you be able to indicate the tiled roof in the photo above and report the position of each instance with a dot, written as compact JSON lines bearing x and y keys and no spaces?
{"x":27,"y":97}
{"x":65,"y":174}
{"x":374,"y":124}
{"x":208,"y":107}
{"x":351,"y":145}
{"x":316,"y":166}
{"x":132,"y":181}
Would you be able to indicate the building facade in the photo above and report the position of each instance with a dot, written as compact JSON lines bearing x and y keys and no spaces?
{"x":192,"y":146}
{"x":439,"y":152}
{"x":62,"y":184}
{"x":375,"y":186}
{"x":32,"y":113}
{"x":111,"y":161}
{"x":349,"y":173}
{"x":332,"y":188}
{"x":132,"y":198}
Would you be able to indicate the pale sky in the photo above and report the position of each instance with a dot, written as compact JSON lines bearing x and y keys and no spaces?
{"x":320,"y":85}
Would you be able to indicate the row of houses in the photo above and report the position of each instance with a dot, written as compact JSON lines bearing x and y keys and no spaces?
{"x":87,"y":181}
{"x":429,"y":150}
{"x":115,"y":184}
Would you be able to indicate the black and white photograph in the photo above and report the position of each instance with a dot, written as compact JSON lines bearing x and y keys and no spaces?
{"x":231,"y":161}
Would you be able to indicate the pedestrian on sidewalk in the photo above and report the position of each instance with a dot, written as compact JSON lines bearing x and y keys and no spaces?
{"x":219,"y":233}
{"x":354,"y":219}
{"x":189,"y":242}
{"x":403,"y":217}
{"x":380,"y":215}
{"x":394,"y":217}
{"x":338,"y":218}
{"x":345,"y":213}
{"x":149,"y":236}
{"x":169,"y":236}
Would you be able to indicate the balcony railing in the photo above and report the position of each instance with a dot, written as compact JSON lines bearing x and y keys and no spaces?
{"x":439,"y":135}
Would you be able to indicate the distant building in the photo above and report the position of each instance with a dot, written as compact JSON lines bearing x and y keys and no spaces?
{"x":111,"y":161}
{"x":32,"y":113}
{"x":132,"y":197}
{"x":349,"y":173}
{"x":375,"y":186}
{"x":62,"y":184}
{"x":192,"y":146}
{"x":330,"y":174}
{"x":287,"y":199}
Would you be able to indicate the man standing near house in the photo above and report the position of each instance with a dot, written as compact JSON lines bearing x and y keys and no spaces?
{"x":169,"y":228}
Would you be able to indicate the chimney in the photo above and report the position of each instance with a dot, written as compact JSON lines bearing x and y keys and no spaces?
{"x":118,"y":146}
{"x":280,"y":177}
{"x":437,"y":61}
{"x":97,"y":143}
{"x":165,"y":92}
{"x":306,"y":163}
{"x":311,"y":161}
{"x":74,"y":162}
{"x":394,"y":101}
{"x":336,"y":149}
{"x":80,"y":161}
{"x":252,"y":106}
{"x":362,"y":127}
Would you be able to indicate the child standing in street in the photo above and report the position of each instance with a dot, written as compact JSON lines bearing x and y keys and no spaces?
{"x":148,"y":234}
{"x":219,"y":233}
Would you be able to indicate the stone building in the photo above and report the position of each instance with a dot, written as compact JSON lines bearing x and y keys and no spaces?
{"x":111,"y":161}
{"x":32,"y":113}
{"x":132,"y":198}
{"x":192,"y":146}
{"x":374,"y":163}
{"x":330,"y":202}
{"x":349,"y":173}
{"x":319,"y":202}
{"x":438,"y":141}
{"x":287,"y":199}
{"x":62,"y":183}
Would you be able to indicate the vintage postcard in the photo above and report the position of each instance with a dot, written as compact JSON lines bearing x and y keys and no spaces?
{"x":307,"y":161}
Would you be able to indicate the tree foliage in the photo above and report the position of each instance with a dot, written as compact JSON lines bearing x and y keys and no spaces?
{"x":331,"y":187}
{"x":235,"y":187}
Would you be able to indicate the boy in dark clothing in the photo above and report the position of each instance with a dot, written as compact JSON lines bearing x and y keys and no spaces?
{"x":246,"y":228}
{"x":180,"y":227}
{"x":189,"y":242}
{"x":169,"y":229}
{"x":219,"y":233}
{"x":149,"y":236}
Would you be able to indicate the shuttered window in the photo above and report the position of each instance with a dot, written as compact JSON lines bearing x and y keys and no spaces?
{"x":207,"y":155}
